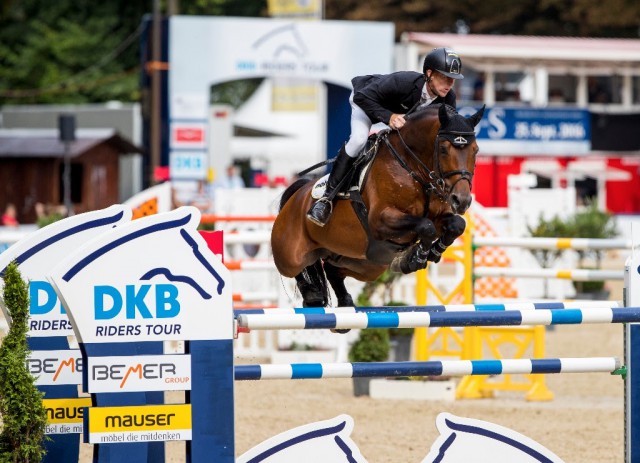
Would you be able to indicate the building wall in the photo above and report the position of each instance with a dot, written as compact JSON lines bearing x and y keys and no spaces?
{"x":24,"y":182}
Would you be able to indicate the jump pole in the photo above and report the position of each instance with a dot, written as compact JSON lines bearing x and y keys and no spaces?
{"x":433,"y":308}
{"x":438,"y":319}
{"x":430,"y":368}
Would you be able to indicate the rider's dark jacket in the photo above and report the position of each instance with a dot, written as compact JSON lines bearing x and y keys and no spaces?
{"x":381,"y":95}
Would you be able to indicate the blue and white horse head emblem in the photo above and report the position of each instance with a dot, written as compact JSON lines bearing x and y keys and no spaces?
{"x":466,"y":439}
{"x":322,"y":442}
{"x":154,"y":276}
{"x":41,"y":250}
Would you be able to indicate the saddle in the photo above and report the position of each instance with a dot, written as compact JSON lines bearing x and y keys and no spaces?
{"x":354,"y":182}
{"x":356,"y":178}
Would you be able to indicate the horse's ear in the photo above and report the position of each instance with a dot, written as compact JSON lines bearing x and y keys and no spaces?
{"x":477,"y":116}
{"x":443,"y":115}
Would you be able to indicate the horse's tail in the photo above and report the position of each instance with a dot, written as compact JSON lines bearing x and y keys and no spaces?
{"x":291,"y":189}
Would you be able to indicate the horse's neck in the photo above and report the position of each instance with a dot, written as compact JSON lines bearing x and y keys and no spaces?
{"x":416,"y":147}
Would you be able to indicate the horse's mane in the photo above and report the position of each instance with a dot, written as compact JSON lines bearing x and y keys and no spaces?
{"x":456,"y":122}
{"x":430,"y":110}
{"x":423,"y":111}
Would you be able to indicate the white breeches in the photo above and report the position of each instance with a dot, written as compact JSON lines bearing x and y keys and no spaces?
{"x":360,"y":127}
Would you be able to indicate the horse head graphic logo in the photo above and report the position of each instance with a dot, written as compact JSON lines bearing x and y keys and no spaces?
{"x":466,"y":439}
{"x":280,"y":42}
{"x":324,"y":441}
{"x":154,"y":275}
{"x":42,"y":250}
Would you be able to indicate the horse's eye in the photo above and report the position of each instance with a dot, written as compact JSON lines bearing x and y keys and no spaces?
{"x":443,"y":150}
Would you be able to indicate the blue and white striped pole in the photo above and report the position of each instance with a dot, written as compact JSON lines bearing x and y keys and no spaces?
{"x":430,"y":368}
{"x":437,"y":319}
{"x":437,"y":308}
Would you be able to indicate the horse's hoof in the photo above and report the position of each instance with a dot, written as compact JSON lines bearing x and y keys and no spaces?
{"x":346,"y":302}
{"x":340,"y":331}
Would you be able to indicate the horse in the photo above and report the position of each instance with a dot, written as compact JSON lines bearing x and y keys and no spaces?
{"x":406,"y":212}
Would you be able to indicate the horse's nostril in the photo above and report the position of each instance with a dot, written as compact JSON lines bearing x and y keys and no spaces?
{"x":460,"y":205}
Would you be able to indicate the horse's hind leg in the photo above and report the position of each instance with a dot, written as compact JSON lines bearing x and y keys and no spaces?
{"x":336,"y":280}
{"x":312,"y":285}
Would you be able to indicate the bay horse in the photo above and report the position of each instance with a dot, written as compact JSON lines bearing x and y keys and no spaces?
{"x":405,"y":214}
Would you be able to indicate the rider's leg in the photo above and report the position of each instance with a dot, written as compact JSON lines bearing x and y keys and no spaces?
{"x":321,"y":210}
{"x":360,"y":125}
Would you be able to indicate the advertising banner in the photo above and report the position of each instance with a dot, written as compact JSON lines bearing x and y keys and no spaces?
{"x":139,"y":373}
{"x":56,"y":367}
{"x":41,"y":251}
{"x":65,"y":416}
{"x":153,"y":279}
{"x":136,"y":424}
{"x":530,"y":131}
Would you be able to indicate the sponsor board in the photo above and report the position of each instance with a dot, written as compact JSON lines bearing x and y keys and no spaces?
{"x":65,"y":416}
{"x":145,"y":423}
{"x":41,"y":250}
{"x":532,"y":131}
{"x":56,"y":367}
{"x":122,"y":287}
{"x":188,"y":135}
{"x":139,"y":373}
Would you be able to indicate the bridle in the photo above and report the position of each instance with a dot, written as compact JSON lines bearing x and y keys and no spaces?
{"x":435,"y":182}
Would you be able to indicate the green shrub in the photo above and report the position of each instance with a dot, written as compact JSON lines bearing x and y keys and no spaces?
{"x":23,"y":414}
{"x":371,"y":346}
{"x":589,"y":223}
{"x":49,"y":219}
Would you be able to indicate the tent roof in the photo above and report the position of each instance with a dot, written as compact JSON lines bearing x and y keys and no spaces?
{"x":43,"y":143}
{"x":481,"y":51}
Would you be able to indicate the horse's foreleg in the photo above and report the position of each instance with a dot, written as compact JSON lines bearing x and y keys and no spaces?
{"x":415,"y":258}
{"x":312,"y":285}
{"x":452,"y":228}
{"x":336,"y":280}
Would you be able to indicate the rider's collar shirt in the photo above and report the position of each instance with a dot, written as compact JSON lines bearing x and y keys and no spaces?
{"x":426,"y":98}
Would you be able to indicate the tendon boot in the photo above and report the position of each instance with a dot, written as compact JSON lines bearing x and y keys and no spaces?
{"x":322,"y":208}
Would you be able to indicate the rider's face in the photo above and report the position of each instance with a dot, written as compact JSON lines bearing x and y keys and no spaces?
{"x":439,"y":83}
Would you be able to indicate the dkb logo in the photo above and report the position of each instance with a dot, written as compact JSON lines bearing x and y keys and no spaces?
{"x":109,"y":301}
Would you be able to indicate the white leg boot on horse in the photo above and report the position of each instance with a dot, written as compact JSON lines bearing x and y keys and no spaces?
{"x":321,"y":210}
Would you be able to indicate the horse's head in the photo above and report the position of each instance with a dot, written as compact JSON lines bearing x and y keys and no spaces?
{"x":455,"y":155}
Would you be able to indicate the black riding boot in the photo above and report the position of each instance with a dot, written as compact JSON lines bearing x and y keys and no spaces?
{"x":322,"y":208}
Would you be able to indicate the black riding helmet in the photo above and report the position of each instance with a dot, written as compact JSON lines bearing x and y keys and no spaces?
{"x":445,"y":61}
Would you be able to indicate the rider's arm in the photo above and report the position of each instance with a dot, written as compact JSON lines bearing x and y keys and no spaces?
{"x":383,"y":94}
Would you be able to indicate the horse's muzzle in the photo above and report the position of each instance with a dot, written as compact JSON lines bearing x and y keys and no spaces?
{"x":460,"y":202}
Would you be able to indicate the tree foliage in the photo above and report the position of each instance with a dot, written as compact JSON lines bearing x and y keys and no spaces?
{"x":580,"y":18}
{"x":24,"y":417}
{"x":79,"y":51}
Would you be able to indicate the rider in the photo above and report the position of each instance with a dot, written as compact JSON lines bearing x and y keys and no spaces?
{"x":387,"y":98}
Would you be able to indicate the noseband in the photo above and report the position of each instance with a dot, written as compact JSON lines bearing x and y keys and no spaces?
{"x":435,"y":183}
{"x":456,"y":139}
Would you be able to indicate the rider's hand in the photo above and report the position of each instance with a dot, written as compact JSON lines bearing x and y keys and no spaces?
{"x":396,"y":121}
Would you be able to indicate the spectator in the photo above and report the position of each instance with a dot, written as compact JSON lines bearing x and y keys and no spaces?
{"x":231,"y":179}
{"x":9,"y":218}
{"x":199,"y":198}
